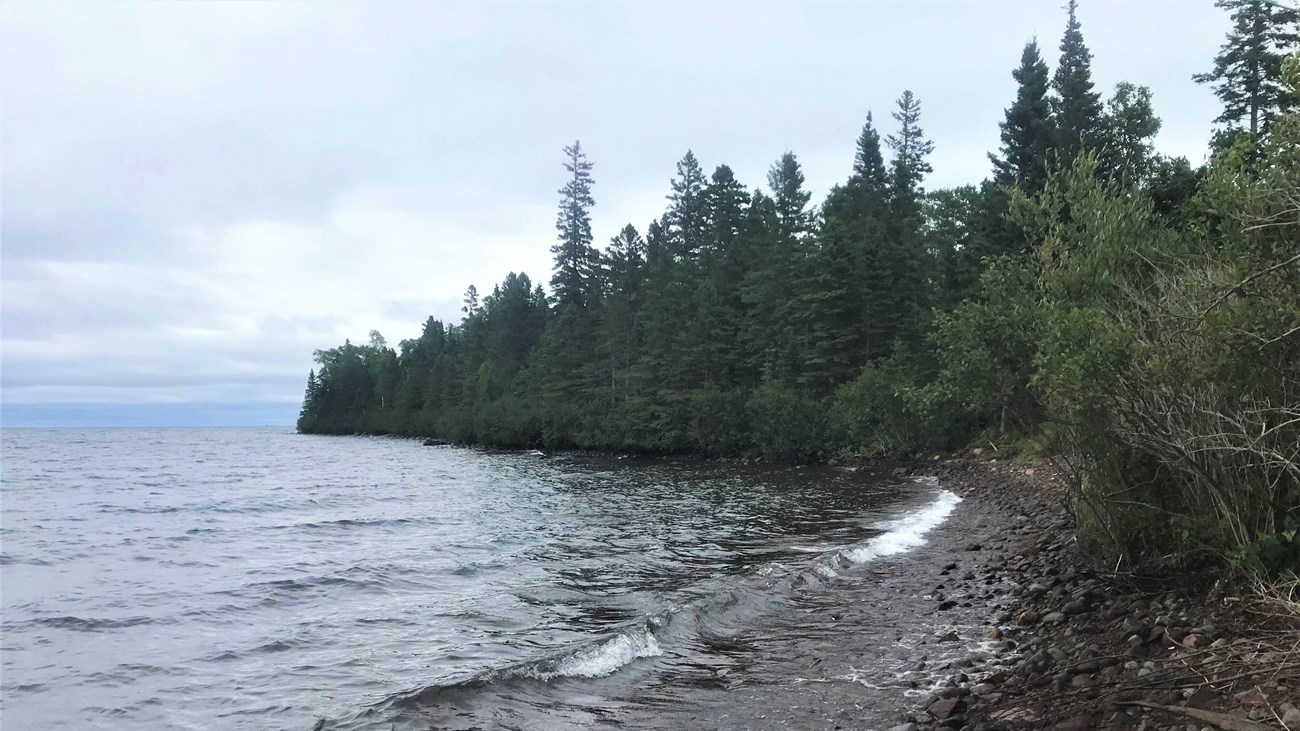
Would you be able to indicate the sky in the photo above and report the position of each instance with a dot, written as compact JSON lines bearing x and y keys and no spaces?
{"x":195,"y":196}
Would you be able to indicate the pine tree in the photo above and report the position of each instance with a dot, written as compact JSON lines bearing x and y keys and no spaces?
{"x":687,"y":216}
{"x":574,"y":256}
{"x":1247,"y":75}
{"x":1028,"y":131}
{"x":1078,"y":106}
{"x":901,"y":258}
{"x":869,"y":171}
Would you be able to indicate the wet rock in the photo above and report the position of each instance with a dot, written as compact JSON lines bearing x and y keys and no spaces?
{"x":950,"y":637}
{"x":1027,"y":618}
{"x":974,"y":547}
{"x":994,"y":633}
{"x":1053,"y":618}
{"x":945,"y":708}
{"x":904,"y":727}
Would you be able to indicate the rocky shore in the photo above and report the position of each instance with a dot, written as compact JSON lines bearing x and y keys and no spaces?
{"x":1070,"y":648}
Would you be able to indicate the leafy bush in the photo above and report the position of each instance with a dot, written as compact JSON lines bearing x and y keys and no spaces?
{"x":786,"y":426}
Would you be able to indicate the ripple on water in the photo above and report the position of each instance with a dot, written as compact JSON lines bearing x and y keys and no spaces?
{"x":256,"y":578}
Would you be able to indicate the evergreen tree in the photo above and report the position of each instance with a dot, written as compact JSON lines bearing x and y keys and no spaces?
{"x":1078,"y":107}
{"x":687,"y":217}
{"x":902,"y":258}
{"x":1247,"y":74}
{"x":1028,"y":131}
{"x":791,"y":201}
{"x":574,"y":256}
{"x":869,"y":173}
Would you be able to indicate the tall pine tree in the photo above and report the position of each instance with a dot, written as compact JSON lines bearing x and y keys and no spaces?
{"x":903,"y":257}
{"x":1078,"y":106}
{"x":1028,"y":130}
{"x":574,"y":256}
{"x":1247,"y":74}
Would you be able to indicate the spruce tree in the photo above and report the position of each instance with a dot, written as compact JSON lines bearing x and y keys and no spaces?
{"x":574,"y":256}
{"x":1028,"y":131}
{"x":1247,"y":74}
{"x":687,"y":216}
{"x":902,"y":256}
{"x":1078,"y":105}
{"x":869,"y":171}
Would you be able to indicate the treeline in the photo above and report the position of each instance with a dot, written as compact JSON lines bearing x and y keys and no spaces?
{"x":1134,"y":312}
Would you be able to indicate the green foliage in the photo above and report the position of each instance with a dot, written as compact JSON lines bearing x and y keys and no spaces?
{"x":1078,"y":109}
{"x":786,"y":426}
{"x":1247,"y":74}
{"x":1271,"y":554}
{"x":1126,"y":311}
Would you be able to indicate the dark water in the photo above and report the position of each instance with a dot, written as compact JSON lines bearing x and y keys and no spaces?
{"x":254,"y":578}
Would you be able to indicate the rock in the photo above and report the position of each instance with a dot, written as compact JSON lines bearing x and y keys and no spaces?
{"x":944,"y":708}
{"x":1053,"y":618}
{"x":1027,"y":618}
{"x":1202,"y":698}
{"x":945,"y":606}
{"x":994,"y":633}
{"x":1291,"y":719}
{"x":1078,"y":723}
{"x":904,"y":727}
{"x":1078,"y":606}
{"x":1083,"y":680}
{"x":1194,"y":641}
{"x":1017,"y":715}
{"x":950,"y":637}
{"x":974,"y":547}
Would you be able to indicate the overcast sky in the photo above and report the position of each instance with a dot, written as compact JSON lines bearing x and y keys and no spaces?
{"x":197,"y":195}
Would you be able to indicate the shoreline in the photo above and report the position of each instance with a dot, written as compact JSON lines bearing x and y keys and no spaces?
{"x":997,"y":623}
{"x":1075,"y":650}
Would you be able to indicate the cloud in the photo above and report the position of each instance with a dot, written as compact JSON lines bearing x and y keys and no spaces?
{"x":198,"y":195}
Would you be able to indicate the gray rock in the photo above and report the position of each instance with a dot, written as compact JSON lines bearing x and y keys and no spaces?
{"x":1053,"y":618}
{"x":1291,"y":719}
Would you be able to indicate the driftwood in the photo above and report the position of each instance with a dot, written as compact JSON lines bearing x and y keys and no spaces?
{"x":1222,"y":720}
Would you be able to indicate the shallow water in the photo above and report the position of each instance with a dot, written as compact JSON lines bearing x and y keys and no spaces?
{"x":254,"y":578}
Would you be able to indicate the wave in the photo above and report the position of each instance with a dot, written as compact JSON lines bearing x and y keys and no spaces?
{"x":716,"y":620}
{"x":907,"y":532}
{"x":81,"y":624}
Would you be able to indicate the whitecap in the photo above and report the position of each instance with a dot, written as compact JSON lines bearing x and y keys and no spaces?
{"x":907,"y":532}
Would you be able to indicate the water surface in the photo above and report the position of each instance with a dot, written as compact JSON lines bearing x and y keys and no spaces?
{"x":255,"y":578}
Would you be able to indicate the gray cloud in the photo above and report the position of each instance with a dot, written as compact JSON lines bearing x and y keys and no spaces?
{"x":197,"y":195}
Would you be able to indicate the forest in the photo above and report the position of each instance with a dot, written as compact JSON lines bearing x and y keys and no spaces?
{"x":1133,"y":315}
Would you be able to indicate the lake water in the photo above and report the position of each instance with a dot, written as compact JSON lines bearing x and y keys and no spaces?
{"x":256,"y":578}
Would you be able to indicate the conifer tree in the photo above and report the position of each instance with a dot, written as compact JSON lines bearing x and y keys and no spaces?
{"x":1078,"y":105}
{"x":902,"y":258}
{"x":1028,"y":130}
{"x":574,"y":256}
{"x":687,"y":216}
{"x":1247,"y":74}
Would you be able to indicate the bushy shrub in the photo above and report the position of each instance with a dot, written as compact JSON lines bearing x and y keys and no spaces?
{"x":786,"y":426}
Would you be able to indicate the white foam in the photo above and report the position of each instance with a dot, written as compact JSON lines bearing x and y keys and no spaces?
{"x":907,"y":532}
{"x":604,"y":659}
